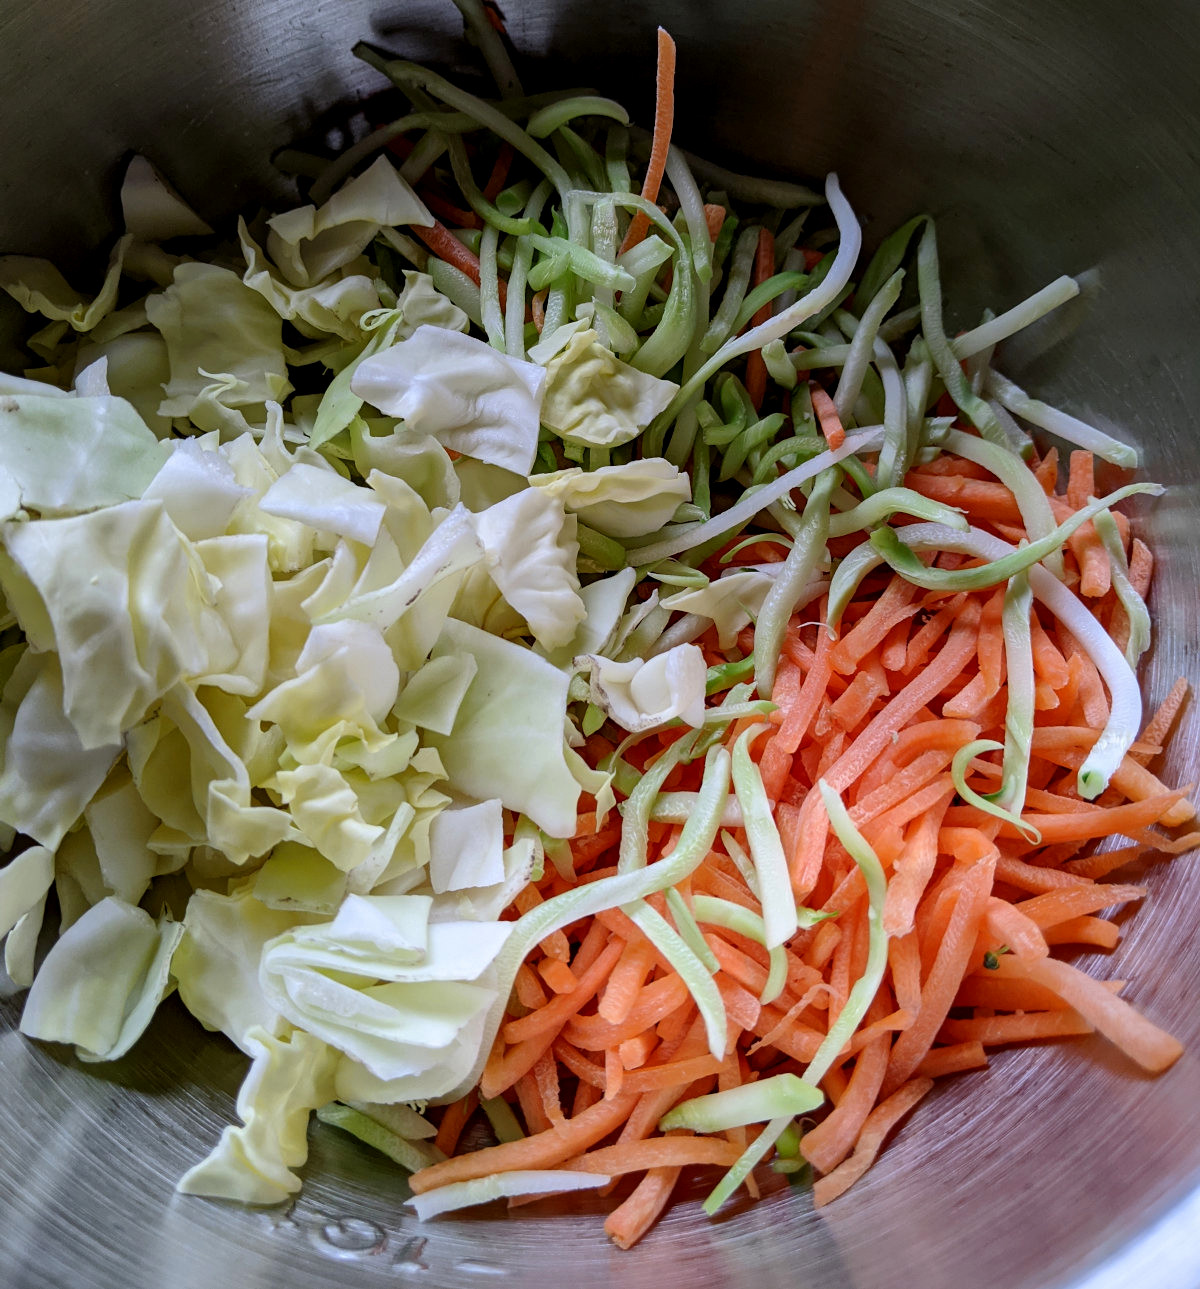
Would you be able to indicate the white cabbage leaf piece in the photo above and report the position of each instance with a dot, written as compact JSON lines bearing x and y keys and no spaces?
{"x":60,"y":456}
{"x":421,"y":304}
{"x":153,"y":211}
{"x":310,"y":243}
{"x":628,"y":500}
{"x":119,"y":827}
{"x":48,"y":776}
{"x":508,"y":739}
{"x":432,"y":695}
{"x":198,"y":489}
{"x":641,"y":695}
{"x":604,"y":603}
{"x":38,"y":287}
{"x":333,"y":306}
{"x":289,"y":1078}
{"x":595,"y":399}
{"x":102,"y":981}
{"x":216,"y":963}
{"x":461,"y":391}
{"x":419,"y":462}
{"x":467,"y":847}
{"x":214,"y":325}
{"x":731,"y":602}
{"x":324,"y":500}
{"x":389,"y":989}
{"x":123,"y":596}
{"x":24,"y":881}
{"x":531,"y":551}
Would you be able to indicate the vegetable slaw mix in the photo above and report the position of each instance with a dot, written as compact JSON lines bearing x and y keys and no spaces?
{"x":542,"y":644}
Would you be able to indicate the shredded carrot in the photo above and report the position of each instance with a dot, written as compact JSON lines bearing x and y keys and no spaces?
{"x":664,"y":123}
{"x":879,"y":1123}
{"x":827,"y":417}
{"x":975,"y":907}
{"x":630,"y":1220}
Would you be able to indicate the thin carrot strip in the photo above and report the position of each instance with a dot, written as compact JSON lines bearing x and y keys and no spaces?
{"x":664,"y":120}
{"x":530,"y":1099}
{"x":1098,"y":821}
{"x":764,"y":266}
{"x":638,"y":1212}
{"x":826,"y":1145}
{"x":714,"y":218}
{"x":545,"y":1075}
{"x":799,"y":717}
{"x":557,"y":975}
{"x":991,"y":991}
{"x":827,"y":417}
{"x":992,"y":1031}
{"x":442,"y":242}
{"x":949,"y":966}
{"x":1053,"y":907}
{"x":894,"y":606}
{"x":1152,"y":1048}
{"x":563,"y":1006}
{"x":1006,"y":924}
{"x":614,"y":1073}
{"x":506,"y":1065}
{"x":879,"y":1123}
{"x":1159,"y":725}
{"x":626,"y":981}
{"x":914,"y":869}
{"x":904,"y":959}
{"x":657,"y":1152}
{"x":500,"y":169}
{"x":594,"y":1034}
{"x":635,"y":1052}
{"x":1028,"y":877}
{"x":1099,"y":933}
{"x":542,"y":1150}
{"x":454,"y":1120}
{"x":952,"y":1059}
{"x":981,"y":499}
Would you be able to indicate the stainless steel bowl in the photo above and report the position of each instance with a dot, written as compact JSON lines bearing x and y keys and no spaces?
{"x":1047,"y":138}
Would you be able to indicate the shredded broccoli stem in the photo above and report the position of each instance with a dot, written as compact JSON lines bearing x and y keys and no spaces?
{"x":863,"y":991}
{"x":958,"y":772}
{"x":1019,"y":715}
{"x":1130,"y":600}
{"x":766,"y":848}
{"x":555,"y":115}
{"x":689,"y":966}
{"x":803,"y":560}
{"x":989,"y":333}
{"x":863,"y":344}
{"x":1032,"y":502}
{"x":489,"y":288}
{"x":736,"y":281}
{"x":514,"y":315}
{"x":906,"y":563}
{"x":929,"y":285}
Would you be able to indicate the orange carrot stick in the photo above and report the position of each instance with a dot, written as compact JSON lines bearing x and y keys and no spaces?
{"x":542,"y":1150}
{"x":664,"y":121}
{"x":952,"y":1059}
{"x":635,"y":1215}
{"x":949,"y":966}
{"x":879,"y":1123}
{"x":827,"y":417}
{"x":1152,"y":1048}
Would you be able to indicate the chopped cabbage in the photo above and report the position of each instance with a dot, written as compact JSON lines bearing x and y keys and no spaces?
{"x":461,"y":391}
{"x":593,"y":398}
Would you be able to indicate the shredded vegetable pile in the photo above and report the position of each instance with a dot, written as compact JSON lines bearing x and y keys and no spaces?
{"x":563,"y":661}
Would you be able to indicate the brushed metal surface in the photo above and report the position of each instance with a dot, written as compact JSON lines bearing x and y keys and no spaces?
{"x":1047,"y":138}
